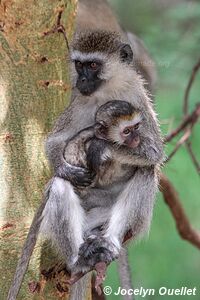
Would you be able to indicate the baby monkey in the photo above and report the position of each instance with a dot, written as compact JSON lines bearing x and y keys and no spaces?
{"x":104,"y":148}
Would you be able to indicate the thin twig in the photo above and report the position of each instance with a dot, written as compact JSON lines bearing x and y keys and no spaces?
{"x":192,"y":118}
{"x":193,"y":157}
{"x":59,"y":28}
{"x":182,"y":140}
{"x":188,"y":88}
{"x":185,"y":111}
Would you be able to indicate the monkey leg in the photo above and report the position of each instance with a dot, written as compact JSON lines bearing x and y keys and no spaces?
{"x":133,"y":209}
{"x":63,"y":220}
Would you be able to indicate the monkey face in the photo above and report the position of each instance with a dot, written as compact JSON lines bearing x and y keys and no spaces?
{"x":99,"y":56}
{"x":118,"y":122}
{"x":130,"y":136}
{"x":126,"y":130}
{"x":88,"y":80}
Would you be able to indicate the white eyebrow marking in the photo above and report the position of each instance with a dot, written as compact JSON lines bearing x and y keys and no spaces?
{"x":82,"y":56}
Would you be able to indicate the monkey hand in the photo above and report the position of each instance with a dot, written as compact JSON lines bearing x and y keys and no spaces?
{"x":78,"y":176}
{"x":96,"y":249}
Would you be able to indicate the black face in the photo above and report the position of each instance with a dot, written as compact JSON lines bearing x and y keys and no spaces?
{"x":88,"y":81}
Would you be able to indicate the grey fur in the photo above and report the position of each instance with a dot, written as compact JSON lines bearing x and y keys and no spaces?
{"x":98,"y":41}
{"x":78,"y":291}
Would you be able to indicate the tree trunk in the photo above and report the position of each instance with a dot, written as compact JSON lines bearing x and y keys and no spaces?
{"x":34,"y":89}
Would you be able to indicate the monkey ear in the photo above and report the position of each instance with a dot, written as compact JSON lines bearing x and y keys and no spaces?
{"x":100,"y":131}
{"x":126,"y":53}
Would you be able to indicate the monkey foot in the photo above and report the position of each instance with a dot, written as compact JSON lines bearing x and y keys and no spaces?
{"x":95,"y":250}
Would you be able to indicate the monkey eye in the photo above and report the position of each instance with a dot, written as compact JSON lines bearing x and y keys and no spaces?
{"x":93,"y":65}
{"x":127,"y":131}
{"x":136,"y":126}
{"x":78,"y":64}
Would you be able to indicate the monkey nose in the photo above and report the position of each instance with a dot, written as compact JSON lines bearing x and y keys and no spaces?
{"x":135,"y":142}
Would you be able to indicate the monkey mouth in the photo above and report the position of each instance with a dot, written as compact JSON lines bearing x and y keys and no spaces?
{"x":135,"y":142}
{"x":86,"y":92}
{"x":88,"y":88}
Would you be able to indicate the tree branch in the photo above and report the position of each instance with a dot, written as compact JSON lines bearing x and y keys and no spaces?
{"x":185,"y":229}
{"x":193,"y":157}
{"x":185,"y":111}
{"x":190,"y":119}
{"x":189,"y":85}
{"x":59,"y":27}
{"x":182,"y":140}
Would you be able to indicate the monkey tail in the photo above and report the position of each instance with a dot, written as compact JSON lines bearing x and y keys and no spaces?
{"x":28,"y":248}
{"x":79,"y":289}
{"x":125,"y":273}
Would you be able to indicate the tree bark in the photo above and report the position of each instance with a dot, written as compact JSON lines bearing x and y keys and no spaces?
{"x":34,"y":89}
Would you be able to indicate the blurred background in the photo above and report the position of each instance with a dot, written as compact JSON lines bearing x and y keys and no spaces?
{"x":171,"y":32}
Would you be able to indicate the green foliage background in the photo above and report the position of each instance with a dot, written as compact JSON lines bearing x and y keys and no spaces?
{"x":171,"y":32}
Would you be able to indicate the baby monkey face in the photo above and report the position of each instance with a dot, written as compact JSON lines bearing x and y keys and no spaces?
{"x":122,"y":130}
{"x":130,"y":135}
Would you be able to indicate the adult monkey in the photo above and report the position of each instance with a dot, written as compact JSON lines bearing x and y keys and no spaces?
{"x":98,"y":15}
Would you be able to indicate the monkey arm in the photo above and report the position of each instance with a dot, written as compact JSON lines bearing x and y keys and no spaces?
{"x":55,"y":147}
{"x":64,"y":130}
{"x":149,"y":153}
{"x":98,"y":152}
{"x":57,"y":140}
{"x":150,"y":150}
{"x":83,"y":135}
{"x":134,"y":159}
